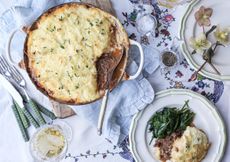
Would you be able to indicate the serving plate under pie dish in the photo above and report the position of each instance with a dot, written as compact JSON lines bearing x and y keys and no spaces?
{"x":189,"y":28}
{"x":207,"y":118}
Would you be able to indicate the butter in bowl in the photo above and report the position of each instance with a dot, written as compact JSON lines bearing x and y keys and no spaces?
{"x":49,"y":143}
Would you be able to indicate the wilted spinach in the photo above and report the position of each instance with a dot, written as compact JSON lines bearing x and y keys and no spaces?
{"x":163,"y":123}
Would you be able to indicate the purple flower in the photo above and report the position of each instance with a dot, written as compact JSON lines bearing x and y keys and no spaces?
{"x":203,"y":93}
{"x":133,"y":36}
{"x":178,"y":85}
{"x":203,"y":16}
{"x":193,"y":77}
{"x":168,"y":18}
{"x":179,"y":74}
{"x":200,"y":84}
{"x":165,"y":32}
{"x":195,"y":89}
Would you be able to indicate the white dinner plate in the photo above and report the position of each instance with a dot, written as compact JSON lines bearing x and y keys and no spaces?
{"x":207,"y":118}
{"x":189,"y":28}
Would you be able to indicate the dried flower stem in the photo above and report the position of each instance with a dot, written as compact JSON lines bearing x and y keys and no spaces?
{"x":210,"y":30}
{"x":194,"y":75}
{"x":214,"y":49}
{"x":201,"y":67}
{"x":210,"y":55}
{"x":215,"y":69}
{"x":193,"y":52}
{"x":217,"y":44}
{"x":203,"y":29}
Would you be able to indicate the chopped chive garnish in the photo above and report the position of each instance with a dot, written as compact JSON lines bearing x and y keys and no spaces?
{"x":62,"y":46}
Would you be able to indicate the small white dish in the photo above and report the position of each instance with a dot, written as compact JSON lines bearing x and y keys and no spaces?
{"x":48,"y":137}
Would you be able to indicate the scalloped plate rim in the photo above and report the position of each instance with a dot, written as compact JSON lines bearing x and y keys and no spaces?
{"x":187,"y":55}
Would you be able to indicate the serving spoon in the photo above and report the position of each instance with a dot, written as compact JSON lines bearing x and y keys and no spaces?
{"x":109,"y":62}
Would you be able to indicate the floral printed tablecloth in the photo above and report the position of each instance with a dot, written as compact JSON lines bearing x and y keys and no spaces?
{"x":179,"y":77}
{"x":86,"y":145}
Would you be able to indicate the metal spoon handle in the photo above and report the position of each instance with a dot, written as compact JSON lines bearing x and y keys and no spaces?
{"x":102,"y":112}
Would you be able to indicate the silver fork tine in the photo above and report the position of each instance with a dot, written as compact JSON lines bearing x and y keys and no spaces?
{"x":14,"y":73}
{"x":4,"y":61}
{"x":20,"y":81}
{"x":3,"y":67}
{"x":17,"y":73}
{"x":1,"y":64}
{"x":12,"y":69}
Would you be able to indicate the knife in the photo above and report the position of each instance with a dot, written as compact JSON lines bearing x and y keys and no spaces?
{"x":18,"y":99}
{"x":13,"y":92}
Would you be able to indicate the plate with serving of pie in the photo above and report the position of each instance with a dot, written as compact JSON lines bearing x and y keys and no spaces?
{"x":179,"y":126}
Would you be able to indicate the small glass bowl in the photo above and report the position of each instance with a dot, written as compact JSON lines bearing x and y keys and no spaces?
{"x":169,"y":59}
{"x":63,"y":129}
{"x":146,"y":24}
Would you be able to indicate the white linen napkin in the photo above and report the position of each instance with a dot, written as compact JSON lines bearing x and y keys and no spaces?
{"x":125,"y":100}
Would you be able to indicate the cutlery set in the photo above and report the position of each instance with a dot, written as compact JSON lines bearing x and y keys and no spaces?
{"x":24,"y":106}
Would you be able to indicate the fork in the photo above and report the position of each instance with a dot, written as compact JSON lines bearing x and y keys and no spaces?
{"x":4,"y":70}
{"x":11,"y":72}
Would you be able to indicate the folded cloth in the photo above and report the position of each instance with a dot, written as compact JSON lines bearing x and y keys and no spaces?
{"x":125,"y":100}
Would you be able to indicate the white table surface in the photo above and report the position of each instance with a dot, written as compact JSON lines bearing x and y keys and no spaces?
{"x":86,"y":145}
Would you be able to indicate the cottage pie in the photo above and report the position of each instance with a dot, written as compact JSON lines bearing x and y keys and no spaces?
{"x":190,"y":146}
{"x":63,"y":46}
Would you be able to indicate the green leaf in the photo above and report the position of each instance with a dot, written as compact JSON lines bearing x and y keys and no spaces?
{"x":199,"y":77}
{"x":169,"y":120}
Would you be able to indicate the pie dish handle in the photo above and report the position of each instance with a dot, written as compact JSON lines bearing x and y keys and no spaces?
{"x":141,"y":53}
{"x":8,"y":46}
{"x":132,"y":42}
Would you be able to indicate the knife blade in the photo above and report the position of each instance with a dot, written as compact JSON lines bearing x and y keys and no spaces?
{"x":17,"y":98}
{"x":13,"y":92}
